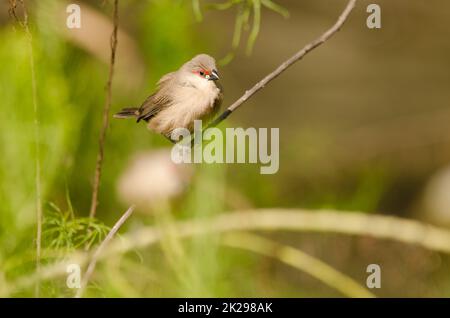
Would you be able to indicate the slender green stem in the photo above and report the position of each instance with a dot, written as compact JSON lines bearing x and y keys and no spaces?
{"x":37,"y":134}
{"x":299,"y":260}
{"x":197,"y":10}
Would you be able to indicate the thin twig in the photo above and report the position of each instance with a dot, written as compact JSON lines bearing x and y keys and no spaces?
{"x":37,"y":133}
{"x":98,"y":252}
{"x":299,"y":260}
{"x":106,"y":110}
{"x":288,"y":63}
{"x":12,"y":11}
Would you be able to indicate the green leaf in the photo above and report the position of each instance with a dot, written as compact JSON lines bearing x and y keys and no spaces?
{"x":269,"y":4}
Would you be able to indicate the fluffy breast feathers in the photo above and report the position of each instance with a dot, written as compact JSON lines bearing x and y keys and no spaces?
{"x":180,"y":99}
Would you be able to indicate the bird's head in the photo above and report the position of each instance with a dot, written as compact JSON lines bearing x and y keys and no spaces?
{"x":204,"y":67}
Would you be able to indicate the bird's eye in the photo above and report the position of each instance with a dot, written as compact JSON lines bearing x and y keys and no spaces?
{"x":202,"y":73}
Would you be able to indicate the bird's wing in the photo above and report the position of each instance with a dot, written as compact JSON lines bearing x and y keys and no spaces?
{"x":152,"y":106}
{"x":159,"y":100}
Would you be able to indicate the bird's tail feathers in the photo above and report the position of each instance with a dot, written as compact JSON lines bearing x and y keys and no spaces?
{"x":127,"y":113}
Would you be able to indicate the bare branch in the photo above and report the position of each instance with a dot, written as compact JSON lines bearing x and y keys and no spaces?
{"x":288,"y":63}
{"x":98,"y":252}
{"x":106,"y":110}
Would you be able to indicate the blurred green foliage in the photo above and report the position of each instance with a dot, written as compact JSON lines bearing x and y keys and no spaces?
{"x":70,"y":85}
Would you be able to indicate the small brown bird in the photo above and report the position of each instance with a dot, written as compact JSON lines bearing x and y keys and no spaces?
{"x":191,"y":93}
